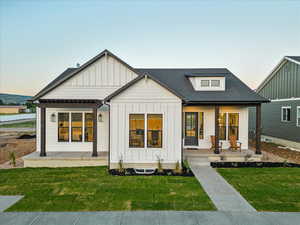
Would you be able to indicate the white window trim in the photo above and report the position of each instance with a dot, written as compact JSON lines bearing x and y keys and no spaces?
{"x":70,"y":127}
{"x":298,"y":116}
{"x":146,"y":130}
{"x":282,"y":108}
{"x":227,"y":125}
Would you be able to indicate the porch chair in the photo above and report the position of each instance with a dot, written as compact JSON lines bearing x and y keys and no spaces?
{"x":234,"y":144}
{"x":213,"y":143}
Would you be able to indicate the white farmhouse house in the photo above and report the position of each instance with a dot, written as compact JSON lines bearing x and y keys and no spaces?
{"x":106,"y":112}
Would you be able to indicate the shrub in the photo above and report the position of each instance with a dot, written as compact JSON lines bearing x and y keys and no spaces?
{"x":177,"y":169}
{"x":159,"y":165}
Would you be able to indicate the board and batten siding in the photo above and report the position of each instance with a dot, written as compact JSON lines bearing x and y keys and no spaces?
{"x":209,"y":124}
{"x":52,"y":143}
{"x":285,"y":83}
{"x":145,"y":96}
{"x":97,"y":81}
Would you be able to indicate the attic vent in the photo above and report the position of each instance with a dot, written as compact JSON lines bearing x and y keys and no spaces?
{"x":77,"y":65}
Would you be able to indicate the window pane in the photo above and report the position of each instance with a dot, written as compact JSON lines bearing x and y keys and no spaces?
{"x":283,"y":114}
{"x":76,"y":122}
{"x":63,"y":134}
{"x":222,"y":126}
{"x":88,"y":129}
{"x":63,"y":127}
{"x":154,"y":132}
{"x":215,"y":83}
{"x":288,"y":114}
{"x":201,"y":125}
{"x":204,"y":83}
{"x":136,"y":130}
{"x":233,"y":125}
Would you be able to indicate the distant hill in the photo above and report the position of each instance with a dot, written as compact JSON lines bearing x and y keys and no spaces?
{"x":14,"y":99}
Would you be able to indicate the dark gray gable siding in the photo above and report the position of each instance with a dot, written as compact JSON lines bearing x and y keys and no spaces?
{"x":284,"y":84}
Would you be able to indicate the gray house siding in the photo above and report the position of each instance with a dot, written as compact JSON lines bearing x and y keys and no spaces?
{"x":284,"y":84}
{"x":271,"y":120}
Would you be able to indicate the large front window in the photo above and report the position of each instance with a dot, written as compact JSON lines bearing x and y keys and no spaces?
{"x":75,"y":126}
{"x":138,"y":123}
{"x":228,"y":125}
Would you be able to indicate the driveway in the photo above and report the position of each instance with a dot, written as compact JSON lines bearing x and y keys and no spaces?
{"x":150,"y":218}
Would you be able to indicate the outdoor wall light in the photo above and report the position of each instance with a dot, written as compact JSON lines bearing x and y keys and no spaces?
{"x":53,"y":117}
{"x":100,"y":119}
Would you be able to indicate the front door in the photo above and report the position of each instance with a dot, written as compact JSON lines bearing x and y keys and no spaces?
{"x":191,"y":129}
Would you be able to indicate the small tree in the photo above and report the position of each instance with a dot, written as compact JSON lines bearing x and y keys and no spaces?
{"x":159,"y":165}
{"x":12,"y":159}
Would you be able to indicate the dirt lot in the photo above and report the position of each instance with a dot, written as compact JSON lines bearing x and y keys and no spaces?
{"x":279,"y":154}
{"x":10,"y":143}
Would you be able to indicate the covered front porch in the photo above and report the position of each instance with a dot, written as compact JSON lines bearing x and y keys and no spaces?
{"x":211,"y":129}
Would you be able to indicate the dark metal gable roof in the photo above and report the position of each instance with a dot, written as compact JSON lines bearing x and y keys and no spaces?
{"x":296,"y":58}
{"x":175,"y":79}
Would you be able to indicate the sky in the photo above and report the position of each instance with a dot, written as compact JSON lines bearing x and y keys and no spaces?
{"x":40,"y":39}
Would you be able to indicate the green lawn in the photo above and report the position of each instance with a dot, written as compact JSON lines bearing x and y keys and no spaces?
{"x":29,"y":124}
{"x":92,"y":188}
{"x":267,"y":189}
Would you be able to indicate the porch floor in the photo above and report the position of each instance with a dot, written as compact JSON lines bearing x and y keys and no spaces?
{"x":65,"y":159}
{"x":225,"y":155}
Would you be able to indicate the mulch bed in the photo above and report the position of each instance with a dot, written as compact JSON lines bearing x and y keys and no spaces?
{"x":166,"y":172}
{"x":290,"y":155}
{"x":252,"y":164}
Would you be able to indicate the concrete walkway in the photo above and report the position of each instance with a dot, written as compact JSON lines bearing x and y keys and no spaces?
{"x":150,"y":218}
{"x":7,"y":201}
{"x":222,"y":194}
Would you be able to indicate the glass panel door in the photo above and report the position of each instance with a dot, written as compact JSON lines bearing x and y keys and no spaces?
{"x":191,"y":128}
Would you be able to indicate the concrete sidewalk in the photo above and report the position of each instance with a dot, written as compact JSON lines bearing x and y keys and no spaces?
{"x":150,"y":218}
{"x":222,"y":194}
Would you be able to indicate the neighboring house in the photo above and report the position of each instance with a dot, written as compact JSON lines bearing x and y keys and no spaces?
{"x":139,"y":115}
{"x":281,"y":117}
{"x":7,"y":109}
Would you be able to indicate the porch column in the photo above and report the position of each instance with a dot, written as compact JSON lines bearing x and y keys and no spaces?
{"x":217,"y":112}
{"x":258,"y":129}
{"x":43,"y":132}
{"x":94,"y":154}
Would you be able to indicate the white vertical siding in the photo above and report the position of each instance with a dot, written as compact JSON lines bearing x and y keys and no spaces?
{"x":209,"y":123}
{"x":97,"y":81}
{"x":145,"y":97}
{"x":52,"y":143}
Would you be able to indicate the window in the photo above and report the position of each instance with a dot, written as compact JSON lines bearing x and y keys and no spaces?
{"x":63,"y":127}
{"x":154,"y":130}
{"x":201,"y":125}
{"x":286,"y":114}
{"x":88,"y":127}
{"x":298,"y":116}
{"x":233,"y":125}
{"x":222,"y":126}
{"x":76,"y":124}
{"x":154,"y":127}
{"x":215,"y":83}
{"x":136,"y":130}
{"x":204,"y":83}
{"x":228,"y":125}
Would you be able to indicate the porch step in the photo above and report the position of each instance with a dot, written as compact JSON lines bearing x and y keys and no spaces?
{"x":199,"y":161}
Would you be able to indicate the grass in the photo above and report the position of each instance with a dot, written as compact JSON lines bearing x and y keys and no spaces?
{"x":28,"y":124}
{"x":267,"y":189}
{"x":93,"y":189}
